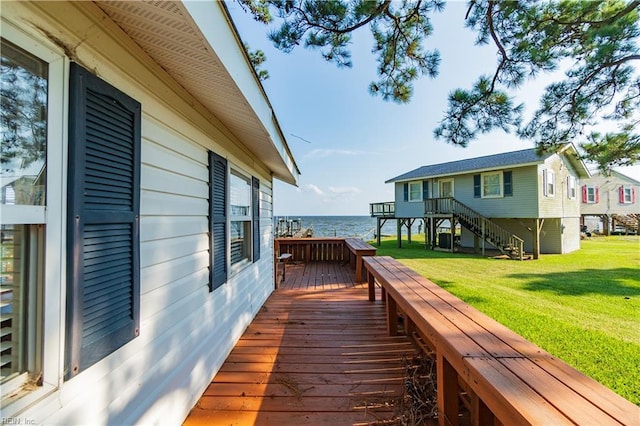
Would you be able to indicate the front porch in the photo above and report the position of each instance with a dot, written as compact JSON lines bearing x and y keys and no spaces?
{"x":318,"y":353}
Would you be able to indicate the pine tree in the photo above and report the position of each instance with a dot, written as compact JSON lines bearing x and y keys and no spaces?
{"x":595,"y":43}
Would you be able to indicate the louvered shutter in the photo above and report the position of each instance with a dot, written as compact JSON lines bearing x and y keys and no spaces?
{"x":597,"y":190}
{"x":584,"y":194}
{"x":507,"y":178}
{"x":476,"y":186}
{"x":406,"y":192}
{"x":218,"y":219}
{"x":103,"y":291}
{"x":621,"y":194}
{"x":255,"y":206}
{"x":633,"y":195}
{"x":425,"y":189}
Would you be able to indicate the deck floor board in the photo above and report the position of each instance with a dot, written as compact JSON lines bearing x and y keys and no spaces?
{"x":316,"y":354}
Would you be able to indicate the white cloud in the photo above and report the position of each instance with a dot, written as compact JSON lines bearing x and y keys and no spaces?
{"x":341,"y":190}
{"x":323,"y":153}
{"x":315,"y":189}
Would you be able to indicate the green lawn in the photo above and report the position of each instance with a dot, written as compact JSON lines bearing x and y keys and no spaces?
{"x":583,"y":307}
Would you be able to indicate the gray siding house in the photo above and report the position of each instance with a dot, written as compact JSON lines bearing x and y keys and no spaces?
{"x":528,"y":198}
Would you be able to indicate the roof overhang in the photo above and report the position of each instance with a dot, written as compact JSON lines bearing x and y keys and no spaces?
{"x":465,"y":172}
{"x":570,"y":151}
{"x":198,"y":45}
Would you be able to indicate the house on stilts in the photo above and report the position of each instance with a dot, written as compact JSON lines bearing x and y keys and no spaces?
{"x":521,"y":203}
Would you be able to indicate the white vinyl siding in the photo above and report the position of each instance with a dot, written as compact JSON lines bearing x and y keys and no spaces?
{"x":186,"y":332}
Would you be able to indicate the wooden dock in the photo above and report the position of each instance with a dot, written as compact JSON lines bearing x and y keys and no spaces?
{"x":318,"y":353}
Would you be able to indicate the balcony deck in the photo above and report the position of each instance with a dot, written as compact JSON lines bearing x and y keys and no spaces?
{"x":318,"y":353}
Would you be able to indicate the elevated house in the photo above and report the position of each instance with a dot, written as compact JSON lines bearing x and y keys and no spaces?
{"x":516,"y":202}
{"x":610,"y":203}
{"x":139,"y":155}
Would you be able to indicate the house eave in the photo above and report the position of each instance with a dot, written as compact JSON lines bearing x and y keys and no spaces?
{"x":464,"y":172}
{"x":197,"y":44}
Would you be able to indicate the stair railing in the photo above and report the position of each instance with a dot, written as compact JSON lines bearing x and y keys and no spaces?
{"x":478,"y":224}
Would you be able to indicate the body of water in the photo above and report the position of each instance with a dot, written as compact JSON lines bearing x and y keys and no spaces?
{"x":344,"y":226}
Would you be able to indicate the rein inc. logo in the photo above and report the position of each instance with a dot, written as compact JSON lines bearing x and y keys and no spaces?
{"x":17,"y":421}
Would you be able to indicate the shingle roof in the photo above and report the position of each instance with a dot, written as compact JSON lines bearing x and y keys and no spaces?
{"x":496,"y":161}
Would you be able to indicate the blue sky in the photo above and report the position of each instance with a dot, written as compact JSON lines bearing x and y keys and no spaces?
{"x":346,"y":142}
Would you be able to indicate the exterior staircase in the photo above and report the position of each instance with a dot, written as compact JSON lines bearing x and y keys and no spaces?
{"x":489,"y":231}
{"x":629,"y":221}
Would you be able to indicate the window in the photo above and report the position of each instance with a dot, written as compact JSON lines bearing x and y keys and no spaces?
{"x":549,"y":183}
{"x":446,"y":188}
{"x":23,"y":149}
{"x":590,"y":194}
{"x":571,"y":187}
{"x":627,"y":194}
{"x":415,"y":191}
{"x":234,"y":219}
{"x":103,"y":288}
{"x":240,"y":217}
{"x":31,"y":149}
{"x":491,"y":184}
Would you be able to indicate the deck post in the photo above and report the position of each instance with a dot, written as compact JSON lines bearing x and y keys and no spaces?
{"x":480,"y":413}
{"x":399,"y":232}
{"x":536,"y":238}
{"x":447,"y":387}
{"x":392,"y":315}
{"x":378,"y":229}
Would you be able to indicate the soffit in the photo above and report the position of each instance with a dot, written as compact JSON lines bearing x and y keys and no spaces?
{"x":166,"y":32}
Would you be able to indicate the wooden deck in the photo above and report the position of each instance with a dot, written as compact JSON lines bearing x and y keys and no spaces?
{"x":318,"y":353}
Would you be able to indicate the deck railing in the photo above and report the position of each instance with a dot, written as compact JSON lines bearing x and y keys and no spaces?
{"x":313,"y":249}
{"x":387,"y":209}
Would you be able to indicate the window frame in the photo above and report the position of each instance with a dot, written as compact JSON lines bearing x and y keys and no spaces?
{"x":246,"y":219}
{"x":441,"y":184}
{"x":500,"y":184}
{"x":593,"y":199}
{"x":549,"y":183}
{"x":415,"y":191}
{"x":572,"y":187}
{"x":626,"y":192}
{"x":52,"y":312}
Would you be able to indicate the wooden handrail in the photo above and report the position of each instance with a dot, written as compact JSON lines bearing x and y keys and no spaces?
{"x":476,"y":223}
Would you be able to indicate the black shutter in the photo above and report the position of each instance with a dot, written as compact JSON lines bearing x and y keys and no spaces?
{"x":218,"y":219}
{"x":425,"y":189}
{"x":255,"y":206}
{"x":508,"y":185}
{"x":406,"y":192}
{"x":476,"y":186}
{"x":103,"y":291}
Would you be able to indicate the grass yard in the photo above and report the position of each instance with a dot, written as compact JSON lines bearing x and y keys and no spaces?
{"x":583,"y":307}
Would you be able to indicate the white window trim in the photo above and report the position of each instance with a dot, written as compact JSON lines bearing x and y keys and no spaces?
{"x":501,"y":184}
{"x":549,"y":174}
{"x":626,"y":188}
{"x":413,"y":200}
{"x":55,"y":243}
{"x":591,"y":200}
{"x":235,"y":268}
{"x":441,"y":181}
{"x":572,"y":185}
